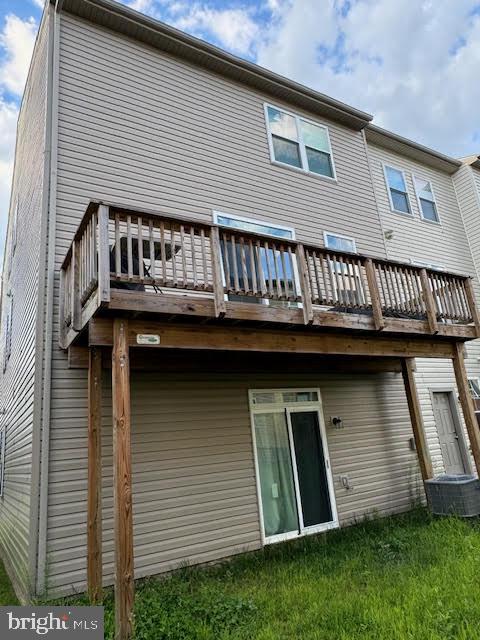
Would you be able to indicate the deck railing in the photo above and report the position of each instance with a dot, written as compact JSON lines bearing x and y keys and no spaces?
{"x":115,"y":248}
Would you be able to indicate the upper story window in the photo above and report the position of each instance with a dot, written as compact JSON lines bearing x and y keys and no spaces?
{"x":7,"y":348}
{"x":397,"y":190}
{"x":426,"y":199}
{"x":339,"y":243}
{"x":299,"y":143}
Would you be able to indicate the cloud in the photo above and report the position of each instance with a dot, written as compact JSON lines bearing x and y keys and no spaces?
{"x":16,"y":41}
{"x":234,"y":29}
{"x":39,"y":3}
{"x":414,"y":66}
{"x":16,"y":45}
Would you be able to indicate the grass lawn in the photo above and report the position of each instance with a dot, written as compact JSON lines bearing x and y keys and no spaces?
{"x":409,"y":577}
{"x":7,"y":594}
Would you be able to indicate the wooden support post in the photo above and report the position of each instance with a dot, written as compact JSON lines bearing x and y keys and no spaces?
{"x":472,"y":304}
{"x":218,"y":289}
{"x":408,"y":369}
{"x":466,"y":402}
{"x":430,"y":306}
{"x":103,"y":254}
{"x":378,"y":318}
{"x":304,"y":285}
{"x":94,"y":520}
{"x":122,"y":482}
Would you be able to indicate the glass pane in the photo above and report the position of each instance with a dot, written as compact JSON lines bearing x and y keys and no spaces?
{"x":339,"y":244}
{"x":429,"y":210}
{"x":255,"y":227}
{"x":474,"y":388}
{"x":300,"y":396}
{"x":276,"y":475}
{"x":319,"y":162}
{"x":314,"y":136}
{"x":395,"y":179}
{"x":286,"y":151}
{"x":282,"y":124}
{"x":263,"y":398}
{"x":424,"y":189}
{"x":312,"y":475}
{"x":400,"y":201}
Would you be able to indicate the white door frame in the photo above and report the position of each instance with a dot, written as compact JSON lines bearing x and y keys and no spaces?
{"x":457,"y":421}
{"x":287,"y":409}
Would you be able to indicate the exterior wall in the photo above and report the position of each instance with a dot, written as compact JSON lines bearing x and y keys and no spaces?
{"x":194,"y":487}
{"x":445,"y":245}
{"x":21,"y":280}
{"x":141,"y":128}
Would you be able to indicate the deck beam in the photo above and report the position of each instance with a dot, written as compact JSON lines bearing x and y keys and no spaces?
{"x":234,"y":338}
{"x":408,"y":372}
{"x":122,"y":482}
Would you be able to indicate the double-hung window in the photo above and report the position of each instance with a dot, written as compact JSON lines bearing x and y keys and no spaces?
{"x":426,"y":199}
{"x":474,"y":384}
{"x":299,"y":143}
{"x":397,"y":190}
{"x":7,"y":348}
{"x":348,"y":289}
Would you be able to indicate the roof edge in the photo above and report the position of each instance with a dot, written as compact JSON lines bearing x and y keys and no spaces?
{"x":473,"y":161}
{"x":123,"y":19}
{"x":411,"y":149}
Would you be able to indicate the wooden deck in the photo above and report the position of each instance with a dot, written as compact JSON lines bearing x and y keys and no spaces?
{"x":141,"y":263}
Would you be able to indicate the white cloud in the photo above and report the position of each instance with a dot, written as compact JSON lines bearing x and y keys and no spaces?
{"x":39,"y":3}
{"x":234,"y":29}
{"x":16,"y":40}
{"x":413,"y":65}
{"x":16,"y":44}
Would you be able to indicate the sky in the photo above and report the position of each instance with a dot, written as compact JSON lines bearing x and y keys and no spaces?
{"x":413,"y":64}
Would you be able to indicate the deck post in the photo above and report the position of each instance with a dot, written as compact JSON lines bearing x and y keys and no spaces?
{"x":218,"y":290}
{"x":408,"y":372}
{"x":466,"y":402}
{"x":304,"y":285}
{"x":94,"y":520}
{"x":378,"y":318}
{"x":122,"y":482}
{"x":470,"y":293}
{"x":429,"y":301}
{"x":103,"y":254}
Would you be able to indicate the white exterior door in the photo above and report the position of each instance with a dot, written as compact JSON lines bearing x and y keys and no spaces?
{"x":447,"y":434}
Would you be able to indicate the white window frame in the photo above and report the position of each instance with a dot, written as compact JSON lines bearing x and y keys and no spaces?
{"x":434,"y":199}
{"x":427,"y":265}
{"x":477,"y":381}
{"x":263,"y":223}
{"x":7,"y":345}
{"x":285,"y":407}
{"x":342,"y":237}
{"x":403,"y":213}
{"x":303,"y":155}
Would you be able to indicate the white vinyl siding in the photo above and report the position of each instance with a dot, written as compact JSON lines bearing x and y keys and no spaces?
{"x":300,"y":143}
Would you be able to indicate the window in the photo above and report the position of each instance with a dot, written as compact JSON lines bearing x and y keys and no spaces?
{"x":428,"y":265}
{"x":294,"y":478}
{"x":397,"y":190}
{"x":347,"y":289}
{"x":8,"y":332}
{"x":339,"y":243}
{"x":299,"y":143}
{"x":426,"y":199}
{"x":253,"y":267}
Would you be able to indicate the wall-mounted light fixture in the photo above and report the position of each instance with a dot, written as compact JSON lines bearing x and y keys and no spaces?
{"x":336,"y":422}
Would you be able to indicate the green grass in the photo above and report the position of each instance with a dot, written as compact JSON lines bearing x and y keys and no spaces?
{"x":7,"y":594}
{"x":409,"y":577}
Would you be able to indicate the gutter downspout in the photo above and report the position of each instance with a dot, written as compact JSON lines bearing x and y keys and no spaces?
{"x":48,"y":327}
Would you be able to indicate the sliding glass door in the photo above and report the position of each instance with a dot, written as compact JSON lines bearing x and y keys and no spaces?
{"x":293,"y":470}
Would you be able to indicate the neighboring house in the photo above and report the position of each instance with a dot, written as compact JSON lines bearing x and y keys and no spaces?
{"x":252,"y":276}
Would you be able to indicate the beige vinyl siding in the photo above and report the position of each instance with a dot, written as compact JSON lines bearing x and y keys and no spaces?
{"x":17,"y":383}
{"x":194,"y":482}
{"x":444,"y":244}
